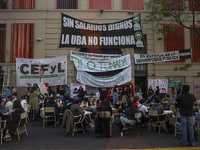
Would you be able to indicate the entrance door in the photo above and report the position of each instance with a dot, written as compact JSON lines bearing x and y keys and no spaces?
{"x":141,"y":82}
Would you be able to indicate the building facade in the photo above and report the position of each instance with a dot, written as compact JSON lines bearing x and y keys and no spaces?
{"x":32,"y":28}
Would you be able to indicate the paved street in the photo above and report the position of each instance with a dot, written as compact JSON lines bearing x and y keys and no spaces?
{"x":55,"y":138}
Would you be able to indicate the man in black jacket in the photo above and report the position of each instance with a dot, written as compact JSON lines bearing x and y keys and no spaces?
{"x":185,"y":103}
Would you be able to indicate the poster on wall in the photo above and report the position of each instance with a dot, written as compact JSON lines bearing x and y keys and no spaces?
{"x":162,"y":83}
{"x":118,"y":79}
{"x":75,"y":85}
{"x":97,"y":65}
{"x":43,"y":88}
{"x":169,"y":56}
{"x":123,"y":34}
{"x":48,"y":70}
{"x":174,"y":82}
{"x":196,"y":87}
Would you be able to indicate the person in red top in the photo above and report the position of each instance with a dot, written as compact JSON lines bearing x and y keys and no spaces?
{"x":136,"y":101}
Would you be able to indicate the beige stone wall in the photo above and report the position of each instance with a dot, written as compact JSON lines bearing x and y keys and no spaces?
{"x":47,"y":21}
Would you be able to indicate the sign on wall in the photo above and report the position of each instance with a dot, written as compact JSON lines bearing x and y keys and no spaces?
{"x":169,"y":56}
{"x":97,"y":65}
{"x":162,"y":83}
{"x":54,"y":71}
{"x":123,"y":34}
{"x":174,"y":82}
{"x":90,"y":80}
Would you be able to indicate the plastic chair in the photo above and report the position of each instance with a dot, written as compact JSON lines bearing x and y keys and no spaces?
{"x":49,"y":115}
{"x":19,"y":129}
{"x":2,"y":128}
{"x":80,"y":119}
{"x":155,"y":119}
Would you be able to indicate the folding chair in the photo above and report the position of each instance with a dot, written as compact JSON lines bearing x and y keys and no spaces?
{"x":2,"y":127}
{"x":19,"y":129}
{"x":155,"y":119}
{"x":49,"y":115}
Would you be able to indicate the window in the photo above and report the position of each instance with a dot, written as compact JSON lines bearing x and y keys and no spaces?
{"x":195,"y":45}
{"x":98,"y":4}
{"x":174,"y":38}
{"x":194,"y":5}
{"x":23,"y":4}
{"x":173,"y":5}
{"x":67,"y":4}
{"x":3,"y":4}
{"x":2,"y":42}
{"x":21,"y":41}
{"x":132,"y":5}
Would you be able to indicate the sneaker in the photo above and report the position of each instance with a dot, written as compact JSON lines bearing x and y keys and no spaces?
{"x":91,"y":125}
{"x":7,"y":137}
{"x":124,"y":128}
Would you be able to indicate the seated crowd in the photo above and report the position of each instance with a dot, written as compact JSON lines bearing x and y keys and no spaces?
{"x":11,"y":108}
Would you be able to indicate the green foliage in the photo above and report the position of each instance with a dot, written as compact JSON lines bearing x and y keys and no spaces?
{"x":172,"y":12}
{"x":183,"y":68}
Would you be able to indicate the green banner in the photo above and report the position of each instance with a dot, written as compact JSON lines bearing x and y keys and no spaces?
{"x":174,"y":82}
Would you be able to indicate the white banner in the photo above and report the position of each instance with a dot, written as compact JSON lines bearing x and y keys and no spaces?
{"x":90,"y":80}
{"x":162,"y":83}
{"x":94,"y":56}
{"x":97,"y":65}
{"x":48,"y":70}
{"x":169,"y":56}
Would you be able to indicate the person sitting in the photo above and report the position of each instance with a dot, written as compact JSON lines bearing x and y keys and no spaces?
{"x":92,"y":102}
{"x":24,"y":104}
{"x":9,"y":104}
{"x":166,"y":102}
{"x":6,"y":117}
{"x":16,"y":116}
{"x":67,"y":102}
{"x":129,"y":117}
{"x":51,"y":103}
{"x":138,"y":93}
{"x":120,"y":105}
{"x":14,"y":97}
{"x":142,"y":107}
{"x":76,"y":110}
{"x":84,"y":103}
{"x":41,"y":101}
{"x":136,"y":101}
{"x":102,"y":125}
{"x":157,"y":106}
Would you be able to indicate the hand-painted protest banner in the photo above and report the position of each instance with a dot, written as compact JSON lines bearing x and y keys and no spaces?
{"x":169,"y":56}
{"x":94,"y":56}
{"x":162,"y":83}
{"x":123,"y":34}
{"x":174,"y":82}
{"x":90,"y":80}
{"x":43,"y":88}
{"x":94,"y":65}
{"x":54,"y":71}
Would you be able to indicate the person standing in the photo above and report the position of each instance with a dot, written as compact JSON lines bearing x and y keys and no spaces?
{"x":123,"y":93}
{"x":173,"y":95}
{"x":151,"y":92}
{"x":33,"y":99}
{"x":138,"y":93}
{"x":185,"y":104}
{"x":178,"y":90}
{"x":157,"y":91}
{"x":115,"y":94}
{"x":8,"y":92}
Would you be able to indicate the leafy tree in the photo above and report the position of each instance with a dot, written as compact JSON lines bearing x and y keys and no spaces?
{"x":173,"y":12}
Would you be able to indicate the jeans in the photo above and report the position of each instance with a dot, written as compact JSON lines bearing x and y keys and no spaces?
{"x":187,"y":123}
{"x":115,"y":97}
{"x":173,"y":99}
{"x":33,"y":115}
{"x":125,"y":121}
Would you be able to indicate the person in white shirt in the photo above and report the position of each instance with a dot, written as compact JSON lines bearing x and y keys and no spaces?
{"x":4,"y":98}
{"x":9,"y":104}
{"x":84,"y":103}
{"x":24,"y":104}
{"x":14,"y":97}
{"x":142,"y":107}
